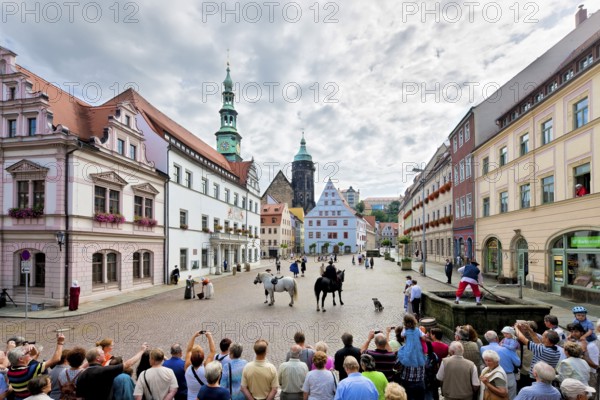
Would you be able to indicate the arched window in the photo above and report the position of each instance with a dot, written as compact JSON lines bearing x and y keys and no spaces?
{"x":493,"y":256}
{"x":142,"y":266}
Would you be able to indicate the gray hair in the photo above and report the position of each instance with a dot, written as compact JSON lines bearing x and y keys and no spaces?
{"x":350,"y":363}
{"x":544,"y":372}
{"x":491,"y":336}
{"x":295,"y":351}
{"x":176,"y":349}
{"x":380,"y":340}
{"x":491,"y":355}
{"x":212,"y":372}
{"x":456,"y":349}
{"x":15,"y":354}
{"x":321,"y":346}
{"x":235,"y":350}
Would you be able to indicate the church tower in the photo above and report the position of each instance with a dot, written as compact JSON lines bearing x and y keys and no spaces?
{"x":228,"y":138}
{"x":303,"y":179}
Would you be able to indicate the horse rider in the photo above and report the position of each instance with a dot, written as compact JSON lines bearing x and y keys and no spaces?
{"x":331,"y":274}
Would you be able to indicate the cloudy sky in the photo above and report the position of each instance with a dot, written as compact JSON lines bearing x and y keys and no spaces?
{"x":375,"y":86}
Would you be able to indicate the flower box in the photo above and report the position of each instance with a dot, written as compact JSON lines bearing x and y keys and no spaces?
{"x":206,"y":230}
{"x":218,"y":228}
{"x":109,"y":218}
{"x":20,"y":213}
{"x":436,"y":194}
{"x":183,"y":226}
{"x":144,"y":221}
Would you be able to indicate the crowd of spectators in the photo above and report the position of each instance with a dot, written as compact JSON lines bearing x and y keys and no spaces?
{"x":402,"y":362}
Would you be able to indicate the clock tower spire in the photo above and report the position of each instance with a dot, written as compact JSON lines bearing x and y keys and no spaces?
{"x":228,"y":138}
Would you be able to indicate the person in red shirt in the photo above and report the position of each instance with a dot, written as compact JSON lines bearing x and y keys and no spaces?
{"x":580,"y":190}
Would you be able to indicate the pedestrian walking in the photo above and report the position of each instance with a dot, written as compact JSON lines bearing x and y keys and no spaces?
{"x":366,"y":263}
{"x":448,"y":269}
{"x":372,"y":263}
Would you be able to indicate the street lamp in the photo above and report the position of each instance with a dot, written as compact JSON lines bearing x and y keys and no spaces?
{"x":60,"y":239}
{"x":424,"y":246}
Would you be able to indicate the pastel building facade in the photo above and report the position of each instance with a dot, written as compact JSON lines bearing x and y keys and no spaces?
{"x":333,"y":221}
{"x":531,"y":223}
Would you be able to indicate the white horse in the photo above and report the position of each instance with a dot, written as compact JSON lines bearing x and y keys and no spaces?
{"x":286,"y":284}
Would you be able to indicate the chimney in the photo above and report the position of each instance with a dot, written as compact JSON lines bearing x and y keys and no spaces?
{"x":580,"y":16}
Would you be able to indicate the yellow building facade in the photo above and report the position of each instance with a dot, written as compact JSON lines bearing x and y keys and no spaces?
{"x":531,"y":224}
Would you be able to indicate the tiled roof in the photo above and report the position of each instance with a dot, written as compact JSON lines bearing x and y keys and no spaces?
{"x":68,"y":110}
{"x":162,"y":125}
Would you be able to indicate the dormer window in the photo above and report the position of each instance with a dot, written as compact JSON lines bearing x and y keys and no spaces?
{"x":128,"y":120}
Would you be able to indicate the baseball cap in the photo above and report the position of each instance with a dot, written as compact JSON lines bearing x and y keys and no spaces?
{"x":570,"y":388}
{"x":508,"y":329}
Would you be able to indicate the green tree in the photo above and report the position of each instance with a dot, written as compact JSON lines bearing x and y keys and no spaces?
{"x":379,"y":215}
{"x":360,"y":207}
{"x":326,"y":247}
{"x":312,"y":248}
{"x":392,"y":211}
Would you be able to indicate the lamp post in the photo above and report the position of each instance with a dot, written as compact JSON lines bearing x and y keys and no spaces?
{"x":424,"y":246}
{"x":60,"y":239}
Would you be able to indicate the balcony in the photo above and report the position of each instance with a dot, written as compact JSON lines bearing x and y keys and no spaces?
{"x":229,"y":238}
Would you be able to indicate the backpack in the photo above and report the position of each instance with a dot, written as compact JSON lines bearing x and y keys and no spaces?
{"x":432,"y":364}
{"x":67,"y":391}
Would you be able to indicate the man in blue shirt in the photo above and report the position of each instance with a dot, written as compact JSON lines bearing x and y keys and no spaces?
{"x":509,"y":360}
{"x":542,"y":388}
{"x":177,"y":364}
{"x":355,"y":386}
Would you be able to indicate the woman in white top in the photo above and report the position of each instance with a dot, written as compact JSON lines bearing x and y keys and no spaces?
{"x":573,"y":366}
{"x":194,"y":364}
{"x":319,"y":384}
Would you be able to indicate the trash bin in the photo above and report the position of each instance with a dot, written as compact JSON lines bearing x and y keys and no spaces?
{"x":74,"y":298}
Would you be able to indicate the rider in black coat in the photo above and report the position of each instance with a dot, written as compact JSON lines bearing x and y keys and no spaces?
{"x":331,"y":274}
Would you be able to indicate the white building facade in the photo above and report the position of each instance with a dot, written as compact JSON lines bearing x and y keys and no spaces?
{"x":332,"y":222}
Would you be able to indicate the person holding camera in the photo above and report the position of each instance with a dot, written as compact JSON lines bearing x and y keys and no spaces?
{"x":195,"y":360}
{"x":385,"y":359}
{"x":23,"y":367}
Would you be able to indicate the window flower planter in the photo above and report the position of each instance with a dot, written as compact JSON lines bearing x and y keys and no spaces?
{"x":144,"y":221}
{"x":206,"y":230}
{"x":218,"y":228}
{"x":109,"y":218}
{"x":183,"y":226}
{"x":20,"y":213}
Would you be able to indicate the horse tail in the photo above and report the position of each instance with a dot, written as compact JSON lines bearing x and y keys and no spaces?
{"x":295,"y":290}
{"x":318,"y":288}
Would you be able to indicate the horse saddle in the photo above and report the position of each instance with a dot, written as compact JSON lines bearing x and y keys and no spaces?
{"x":276,"y":279}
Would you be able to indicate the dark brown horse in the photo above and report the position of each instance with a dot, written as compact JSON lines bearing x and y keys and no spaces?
{"x":322,"y":285}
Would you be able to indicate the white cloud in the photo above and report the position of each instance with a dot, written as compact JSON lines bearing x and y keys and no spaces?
{"x":359,"y":61}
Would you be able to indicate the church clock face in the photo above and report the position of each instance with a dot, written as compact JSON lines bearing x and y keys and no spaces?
{"x":225,"y":146}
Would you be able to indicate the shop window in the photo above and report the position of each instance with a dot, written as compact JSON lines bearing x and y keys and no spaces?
{"x":581,"y":250}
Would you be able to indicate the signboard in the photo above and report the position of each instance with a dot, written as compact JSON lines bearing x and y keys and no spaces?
{"x":25,"y":255}
{"x":26,"y":266}
{"x":586,"y":242}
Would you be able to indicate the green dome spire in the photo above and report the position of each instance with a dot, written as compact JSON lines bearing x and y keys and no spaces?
{"x":302,"y":153}
{"x":228,"y":82}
